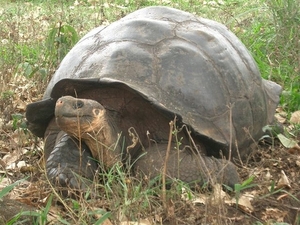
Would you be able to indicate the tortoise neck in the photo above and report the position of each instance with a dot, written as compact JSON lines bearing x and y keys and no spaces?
{"x":104,"y":142}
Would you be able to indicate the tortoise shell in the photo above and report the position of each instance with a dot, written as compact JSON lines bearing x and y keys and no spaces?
{"x":184,"y":65}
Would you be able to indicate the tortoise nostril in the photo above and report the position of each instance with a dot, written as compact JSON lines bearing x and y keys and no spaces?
{"x":79,"y":104}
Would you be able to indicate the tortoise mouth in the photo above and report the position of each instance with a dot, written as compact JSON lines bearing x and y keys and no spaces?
{"x":77,"y":116}
{"x":74,"y":125}
{"x":69,"y":120}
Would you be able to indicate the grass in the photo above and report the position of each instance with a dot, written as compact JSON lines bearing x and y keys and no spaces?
{"x":275,"y":45}
{"x":35,"y":35}
{"x":40,"y":33}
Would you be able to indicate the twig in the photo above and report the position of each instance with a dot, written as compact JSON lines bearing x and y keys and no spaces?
{"x":164,"y":199}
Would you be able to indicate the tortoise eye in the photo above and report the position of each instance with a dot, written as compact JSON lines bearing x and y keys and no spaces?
{"x":78,"y":105}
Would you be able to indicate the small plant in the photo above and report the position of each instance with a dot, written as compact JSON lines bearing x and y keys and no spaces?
{"x":291,"y":96}
{"x":60,"y":40}
{"x":240,"y":187}
{"x":245,"y":185}
{"x":7,"y":94}
{"x":273,"y":191}
{"x":105,"y":216}
{"x":4,"y":192}
{"x":8,"y":188}
{"x":18,"y":121}
{"x":287,"y":139}
{"x":127,"y":194}
{"x":26,"y":69}
{"x":40,"y":218}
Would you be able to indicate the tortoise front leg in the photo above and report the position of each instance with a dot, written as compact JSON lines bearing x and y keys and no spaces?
{"x":67,"y":163}
{"x":67,"y":160}
{"x":188,"y":166}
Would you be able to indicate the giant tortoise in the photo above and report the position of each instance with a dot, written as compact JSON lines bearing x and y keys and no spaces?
{"x":118,"y":91}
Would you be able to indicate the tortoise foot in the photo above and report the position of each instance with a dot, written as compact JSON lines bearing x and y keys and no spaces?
{"x":68,"y":166}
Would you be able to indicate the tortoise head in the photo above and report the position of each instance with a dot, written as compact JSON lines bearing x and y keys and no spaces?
{"x":89,"y":120}
{"x":78,"y":116}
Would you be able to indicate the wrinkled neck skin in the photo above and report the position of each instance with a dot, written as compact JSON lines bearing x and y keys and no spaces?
{"x":103,"y":141}
{"x":102,"y":137}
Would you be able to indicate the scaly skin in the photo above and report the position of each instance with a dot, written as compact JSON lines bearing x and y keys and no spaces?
{"x":89,"y":121}
{"x":188,"y":166}
{"x":68,"y":161}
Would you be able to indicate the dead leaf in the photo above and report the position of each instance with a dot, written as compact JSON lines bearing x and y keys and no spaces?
{"x":280,"y":118}
{"x":295,"y":150}
{"x":200,"y":199}
{"x":106,"y":222}
{"x":4,"y":182}
{"x":281,"y":111}
{"x":141,"y":222}
{"x":218,"y":194}
{"x":295,"y":117}
{"x":287,"y":142}
{"x":298,"y":162}
{"x":20,"y":138}
{"x":53,"y":215}
{"x":21,"y":164}
{"x":275,"y":214}
{"x":282,"y":196}
{"x":3,"y":146}
{"x":268,"y":175}
{"x":280,"y":115}
{"x":283,"y":181}
{"x":1,"y":122}
{"x":11,"y":157}
{"x":244,"y":202}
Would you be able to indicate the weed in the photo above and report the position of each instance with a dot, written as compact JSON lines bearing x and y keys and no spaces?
{"x":8,"y":188}
{"x":59,"y":41}
{"x":126,"y":194}
{"x":18,"y":121}
{"x":7,"y":94}
{"x":40,"y":217}
{"x":240,"y":187}
{"x":284,"y":49}
{"x":245,"y":185}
